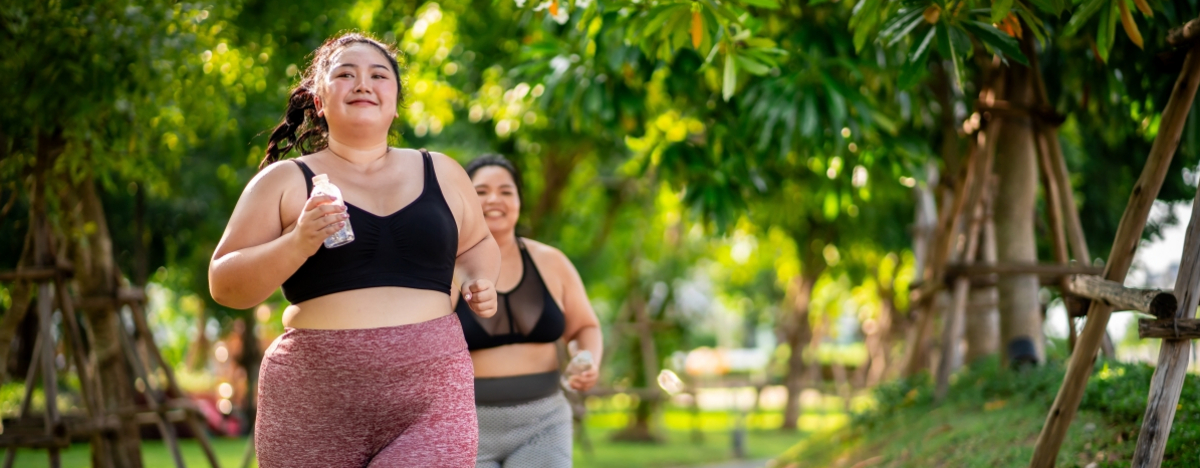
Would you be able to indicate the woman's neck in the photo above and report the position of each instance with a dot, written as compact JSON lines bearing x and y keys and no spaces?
{"x":506,"y":240}
{"x":362,"y":154}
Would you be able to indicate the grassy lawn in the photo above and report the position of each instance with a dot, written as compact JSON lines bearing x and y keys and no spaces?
{"x":959,"y":435}
{"x":992,"y":418}
{"x":678,"y":450}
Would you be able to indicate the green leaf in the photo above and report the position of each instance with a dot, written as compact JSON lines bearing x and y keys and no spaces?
{"x":808,"y":122}
{"x":920,"y":49}
{"x":772,"y":4}
{"x":905,"y":29}
{"x":1034,"y":24}
{"x":1107,"y":30}
{"x":946,"y":48}
{"x":751,"y":65}
{"x":1002,"y":43}
{"x":730,"y":81}
{"x":722,"y":10}
{"x":1081,"y":16}
{"x":658,"y":17}
{"x":914,"y":67}
{"x":1000,"y":9}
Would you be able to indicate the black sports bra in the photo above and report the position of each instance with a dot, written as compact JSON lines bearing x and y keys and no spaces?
{"x":414,"y":247}
{"x":527,"y":314}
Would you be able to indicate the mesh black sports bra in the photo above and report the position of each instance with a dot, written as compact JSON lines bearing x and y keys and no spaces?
{"x":527,"y":314}
{"x":414,"y":247}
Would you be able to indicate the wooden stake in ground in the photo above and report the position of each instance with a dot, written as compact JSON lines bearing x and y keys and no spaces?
{"x":1129,"y":233}
{"x":1167,"y":382}
{"x":953,"y":325}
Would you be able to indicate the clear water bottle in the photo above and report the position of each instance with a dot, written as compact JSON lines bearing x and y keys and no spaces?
{"x":582,"y":362}
{"x":322,"y":186}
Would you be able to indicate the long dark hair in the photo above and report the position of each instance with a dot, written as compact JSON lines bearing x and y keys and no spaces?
{"x":302,"y":128}
{"x":498,"y":161}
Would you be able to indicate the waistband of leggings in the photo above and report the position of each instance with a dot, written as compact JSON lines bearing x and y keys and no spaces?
{"x":369,"y":348}
{"x":515,"y":390}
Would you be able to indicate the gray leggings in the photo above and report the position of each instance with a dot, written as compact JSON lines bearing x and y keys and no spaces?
{"x":536,"y":434}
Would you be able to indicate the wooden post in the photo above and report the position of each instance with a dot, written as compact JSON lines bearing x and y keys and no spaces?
{"x":1184,"y":34}
{"x":954,"y":325}
{"x":1129,"y":233}
{"x":1169,"y":329}
{"x":1173,"y":354}
{"x":1160,"y":304}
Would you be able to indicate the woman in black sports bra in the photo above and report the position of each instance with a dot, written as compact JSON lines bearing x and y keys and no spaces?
{"x":524,"y":419}
{"x":373,"y":369}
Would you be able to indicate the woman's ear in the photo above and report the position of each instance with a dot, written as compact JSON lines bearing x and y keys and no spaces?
{"x":317,"y":104}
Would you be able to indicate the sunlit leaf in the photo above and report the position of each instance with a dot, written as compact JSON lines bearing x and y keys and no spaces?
{"x":1006,"y":45}
{"x":1083,"y":14}
{"x":729,"y":83}
{"x":1000,"y":9}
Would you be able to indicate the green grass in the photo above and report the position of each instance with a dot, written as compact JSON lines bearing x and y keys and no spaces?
{"x":677,"y":450}
{"x":680,"y":450}
{"x":958,"y":435}
{"x":154,"y":455}
{"x":992,"y":419}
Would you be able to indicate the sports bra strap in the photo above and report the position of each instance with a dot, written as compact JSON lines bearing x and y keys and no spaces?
{"x":308,"y":175}
{"x":430,"y":174}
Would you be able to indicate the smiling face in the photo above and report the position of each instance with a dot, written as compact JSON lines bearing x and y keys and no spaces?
{"x":359,"y":90}
{"x":498,"y":194}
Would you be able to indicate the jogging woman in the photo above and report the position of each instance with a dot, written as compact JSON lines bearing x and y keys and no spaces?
{"x":373,"y":370}
{"x":524,"y":419}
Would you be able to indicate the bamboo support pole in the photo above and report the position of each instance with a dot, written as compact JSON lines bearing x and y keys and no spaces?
{"x":1169,"y":329}
{"x":1173,"y":354}
{"x":1161,"y":304}
{"x":954,"y":325}
{"x":941,"y":251}
{"x":10,"y":453}
{"x":982,"y":270}
{"x":172,"y":387}
{"x":165,"y":427}
{"x":1185,"y":34}
{"x":45,"y":307}
{"x":1129,"y":234}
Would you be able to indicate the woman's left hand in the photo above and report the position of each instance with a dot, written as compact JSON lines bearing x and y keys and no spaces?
{"x":585,"y":380}
{"x":480,"y":295}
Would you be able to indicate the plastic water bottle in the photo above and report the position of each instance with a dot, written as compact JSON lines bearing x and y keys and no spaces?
{"x":582,"y":362}
{"x":322,"y":186}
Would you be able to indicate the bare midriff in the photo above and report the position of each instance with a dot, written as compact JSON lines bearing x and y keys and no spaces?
{"x":515,"y":359}
{"x":368,"y":308}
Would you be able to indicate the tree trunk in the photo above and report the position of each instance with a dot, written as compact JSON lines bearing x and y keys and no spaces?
{"x":96,"y":276}
{"x":798,"y":333}
{"x":983,"y":318}
{"x":1017,"y":170}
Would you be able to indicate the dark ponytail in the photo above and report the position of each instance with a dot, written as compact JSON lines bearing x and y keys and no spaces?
{"x":302,"y":128}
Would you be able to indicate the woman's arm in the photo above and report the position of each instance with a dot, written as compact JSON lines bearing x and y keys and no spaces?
{"x":254,"y":256}
{"x":582,"y":325}
{"x":478,"y":263}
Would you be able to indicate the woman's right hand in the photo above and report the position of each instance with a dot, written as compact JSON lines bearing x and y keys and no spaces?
{"x":321,"y":218}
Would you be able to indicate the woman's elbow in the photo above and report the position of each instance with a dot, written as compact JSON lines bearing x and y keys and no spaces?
{"x":226,"y":294}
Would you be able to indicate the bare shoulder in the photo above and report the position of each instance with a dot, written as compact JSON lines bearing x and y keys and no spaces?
{"x":275,"y":178}
{"x":445,"y":166}
{"x":548,"y":257}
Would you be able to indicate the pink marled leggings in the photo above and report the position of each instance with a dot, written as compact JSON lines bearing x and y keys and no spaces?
{"x":380,"y":398}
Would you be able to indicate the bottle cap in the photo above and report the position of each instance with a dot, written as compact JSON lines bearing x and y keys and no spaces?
{"x":320,"y":179}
